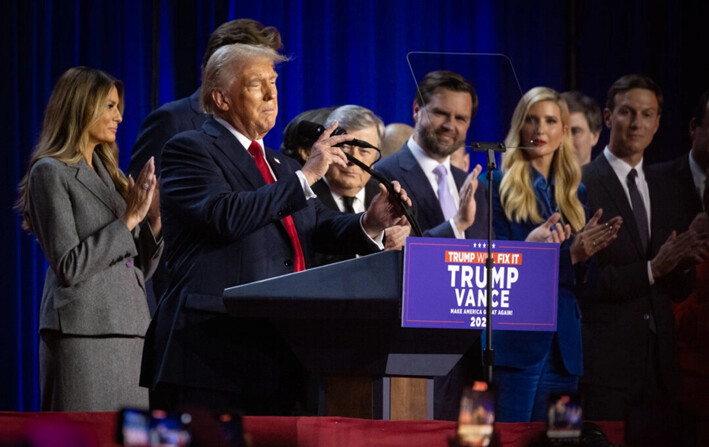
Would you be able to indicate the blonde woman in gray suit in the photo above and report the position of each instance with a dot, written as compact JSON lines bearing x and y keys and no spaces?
{"x":90,"y":221}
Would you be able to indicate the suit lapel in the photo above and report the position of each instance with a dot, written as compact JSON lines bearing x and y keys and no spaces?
{"x":616,"y":194}
{"x":684,"y":176}
{"x":277,"y":166}
{"x":324,"y":194}
{"x":234,"y":152}
{"x":93,"y":181}
{"x":415,"y":178}
{"x":371,"y":189}
{"x":657,"y":214}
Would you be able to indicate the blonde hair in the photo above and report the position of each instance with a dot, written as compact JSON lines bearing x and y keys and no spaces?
{"x":224,"y":66}
{"x":516,"y":191}
{"x":76,"y":103}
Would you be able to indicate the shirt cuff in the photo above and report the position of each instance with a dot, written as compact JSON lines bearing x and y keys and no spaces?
{"x":458,"y":234}
{"x":649,"y":273}
{"x":309,"y":194}
{"x":378,"y":240}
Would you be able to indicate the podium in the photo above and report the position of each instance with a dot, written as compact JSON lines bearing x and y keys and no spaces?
{"x":343,"y":322}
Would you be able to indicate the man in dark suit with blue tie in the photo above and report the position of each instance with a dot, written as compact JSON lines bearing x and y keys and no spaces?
{"x":234,"y":212}
{"x":628,"y":341}
{"x":444,"y":105}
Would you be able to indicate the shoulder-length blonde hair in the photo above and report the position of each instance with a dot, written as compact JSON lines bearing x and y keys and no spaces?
{"x":516,"y":191}
{"x":76,"y":103}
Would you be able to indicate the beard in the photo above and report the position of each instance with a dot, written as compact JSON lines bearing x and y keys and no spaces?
{"x":433,"y":144}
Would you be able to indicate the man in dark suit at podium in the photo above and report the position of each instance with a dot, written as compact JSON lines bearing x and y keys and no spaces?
{"x":629,"y":352}
{"x":351,"y":189}
{"x":443,"y":108}
{"x":183,"y":114}
{"x":234,"y":213}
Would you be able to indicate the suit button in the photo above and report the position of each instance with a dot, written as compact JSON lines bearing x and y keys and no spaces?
{"x":129,"y":264}
{"x":646,"y":317}
{"x":288,"y":263}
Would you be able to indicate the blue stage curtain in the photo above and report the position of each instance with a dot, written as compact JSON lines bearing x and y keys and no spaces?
{"x":342,"y":52}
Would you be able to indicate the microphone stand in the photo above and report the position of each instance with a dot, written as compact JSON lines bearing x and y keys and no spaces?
{"x":489,"y":353}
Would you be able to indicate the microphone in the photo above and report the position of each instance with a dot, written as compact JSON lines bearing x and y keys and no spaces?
{"x":314,"y":130}
{"x":497,"y":147}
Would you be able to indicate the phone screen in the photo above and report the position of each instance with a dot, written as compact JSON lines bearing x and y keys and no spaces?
{"x":143,"y":428}
{"x":167,"y":429}
{"x":476,"y":416}
{"x":564,"y":419}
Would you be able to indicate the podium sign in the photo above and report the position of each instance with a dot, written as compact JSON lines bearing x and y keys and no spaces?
{"x":444,"y":284}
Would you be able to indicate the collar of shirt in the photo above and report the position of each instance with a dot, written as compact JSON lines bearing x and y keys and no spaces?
{"x":698,"y":175}
{"x":428,"y":164}
{"x":544,"y":191}
{"x":357,"y":204}
{"x":243,"y":139}
{"x":622,"y":169}
{"x":246,"y":142}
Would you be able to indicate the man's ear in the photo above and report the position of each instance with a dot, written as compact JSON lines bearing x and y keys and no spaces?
{"x":692,"y":127}
{"x":607,"y":117}
{"x":220,"y":100}
{"x":594,"y":138}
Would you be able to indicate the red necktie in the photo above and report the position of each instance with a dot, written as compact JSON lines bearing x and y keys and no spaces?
{"x":257,"y":153}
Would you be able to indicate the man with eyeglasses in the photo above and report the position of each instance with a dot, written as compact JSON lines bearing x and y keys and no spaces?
{"x":349,"y":188}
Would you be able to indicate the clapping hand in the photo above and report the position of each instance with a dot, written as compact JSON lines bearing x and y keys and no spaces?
{"x":594,"y":237}
{"x":550,"y":231}
{"x":139,"y":199}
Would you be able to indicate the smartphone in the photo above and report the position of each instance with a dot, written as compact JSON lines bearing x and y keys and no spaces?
{"x":133,"y":428}
{"x":156,"y":428}
{"x":476,"y":416}
{"x":564,"y":419}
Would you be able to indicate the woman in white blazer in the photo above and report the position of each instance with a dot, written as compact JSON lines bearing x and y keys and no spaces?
{"x":90,"y":221}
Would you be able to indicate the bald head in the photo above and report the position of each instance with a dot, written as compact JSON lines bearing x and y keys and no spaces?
{"x":395,"y":135}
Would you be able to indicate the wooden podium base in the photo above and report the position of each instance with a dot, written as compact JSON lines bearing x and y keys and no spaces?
{"x":392,"y":398}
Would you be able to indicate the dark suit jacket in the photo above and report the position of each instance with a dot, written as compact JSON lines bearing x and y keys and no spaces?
{"x":402,"y":166}
{"x":162,"y":124}
{"x":158,"y":127}
{"x":320,"y":188}
{"x":223,"y":227}
{"x":679,"y":170}
{"x":619,"y":306}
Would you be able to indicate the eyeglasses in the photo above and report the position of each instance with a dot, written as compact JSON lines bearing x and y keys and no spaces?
{"x":371,"y":155}
{"x":367,"y":155}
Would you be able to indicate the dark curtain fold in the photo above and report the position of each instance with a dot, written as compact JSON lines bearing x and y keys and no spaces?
{"x":342,"y":52}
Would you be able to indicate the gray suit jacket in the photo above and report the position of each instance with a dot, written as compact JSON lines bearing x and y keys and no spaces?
{"x":95,"y":283}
